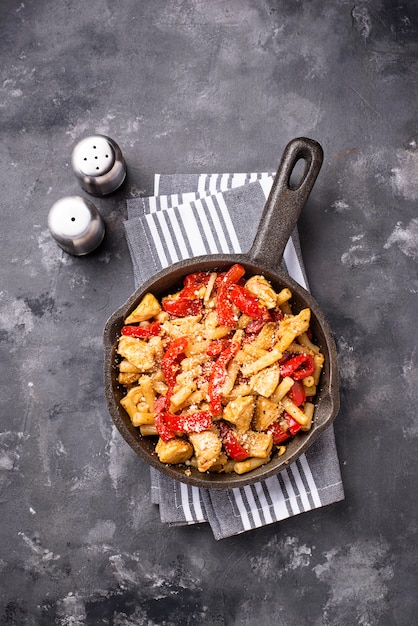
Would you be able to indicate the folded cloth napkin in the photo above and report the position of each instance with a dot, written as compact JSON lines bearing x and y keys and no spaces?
{"x":192,"y":215}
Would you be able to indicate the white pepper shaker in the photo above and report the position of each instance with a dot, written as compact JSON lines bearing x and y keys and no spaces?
{"x":98,"y":164}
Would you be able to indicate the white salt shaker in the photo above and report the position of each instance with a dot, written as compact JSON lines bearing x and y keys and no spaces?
{"x":76,"y":225}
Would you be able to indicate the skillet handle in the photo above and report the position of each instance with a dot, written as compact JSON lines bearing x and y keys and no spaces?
{"x":285,"y":202}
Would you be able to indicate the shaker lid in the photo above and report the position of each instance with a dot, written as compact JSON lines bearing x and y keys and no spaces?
{"x":76,"y":225}
{"x":93,"y":156}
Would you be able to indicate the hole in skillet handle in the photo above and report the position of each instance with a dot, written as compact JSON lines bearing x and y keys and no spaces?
{"x":328,"y":400}
{"x":298,"y":174}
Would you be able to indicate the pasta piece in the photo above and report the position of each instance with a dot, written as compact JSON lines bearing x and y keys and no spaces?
{"x":131,"y":400}
{"x":243,"y":321}
{"x":304,"y":340}
{"x":244,"y":389}
{"x":180,"y":396}
{"x":308,"y":381}
{"x":148,"y":430}
{"x":209,"y":287}
{"x":283,"y":296}
{"x":231,"y":376}
{"x":282,"y":389}
{"x":198,"y":347}
{"x":308,"y":409}
{"x":286,"y":308}
{"x":264,"y":361}
{"x":183,"y":327}
{"x":319,"y":362}
{"x":194,"y":399}
{"x":142,"y":418}
{"x":217,"y":333}
{"x":295,"y":411}
{"x":147,"y":391}
{"x":159,"y":386}
{"x":220,"y":464}
{"x":297,"y":348}
{"x":291,"y":327}
{"x":242,"y":467}
{"x":192,"y":362}
{"x":162,"y":317}
{"x":156,"y":344}
{"x":229,"y":466}
{"x":310,"y":392}
{"x":211,"y":330}
{"x":248,"y":353}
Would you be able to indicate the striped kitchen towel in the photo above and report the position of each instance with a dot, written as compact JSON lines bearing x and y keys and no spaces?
{"x":191,"y":215}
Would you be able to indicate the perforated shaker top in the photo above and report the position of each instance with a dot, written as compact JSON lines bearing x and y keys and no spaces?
{"x":93,"y":156}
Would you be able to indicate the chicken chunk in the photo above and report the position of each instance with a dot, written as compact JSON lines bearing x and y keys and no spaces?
{"x":240,"y":412}
{"x":266,"y":412}
{"x":146,"y":309}
{"x":174,"y":451}
{"x":266,"y":381}
{"x":261,"y":288}
{"x":138,"y":352}
{"x":258,"y":445}
{"x":207,"y":446}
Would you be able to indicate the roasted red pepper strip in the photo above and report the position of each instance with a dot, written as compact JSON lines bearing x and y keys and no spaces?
{"x":276,"y":314}
{"x":142,"y":332}
{"x":279,"y":434}
{"x":224,"y":306}
{"x":190,"y":293}
{"x":192,"y":284}
{"x":298,"y":367}
{"x":181,"y":307}
{"x":248,"y":303}
{"x":171,"y":359}
{"x":196,"y":279}
{"x":232,"y":446}
{"x":297,"y":393}
{"x":163,"y":430}
{"x":216,"y":346}
{"x":189,"y":423}
{"x":218,"y":376}
{"x":294,"y":426}
{"x":254,"y":327}
{"x":286,"y":356}
{"x":160,"y":404}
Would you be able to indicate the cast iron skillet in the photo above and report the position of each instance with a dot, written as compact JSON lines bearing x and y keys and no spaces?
{"x":279,"y":217}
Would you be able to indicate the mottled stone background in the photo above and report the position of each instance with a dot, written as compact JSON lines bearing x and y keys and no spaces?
{"x":192,"y":86}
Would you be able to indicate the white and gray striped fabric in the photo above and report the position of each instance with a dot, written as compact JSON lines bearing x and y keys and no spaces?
{"x":188,"y":216}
